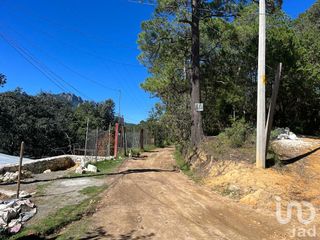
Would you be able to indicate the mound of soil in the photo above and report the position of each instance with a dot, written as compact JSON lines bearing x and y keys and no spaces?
{"x":241,"y":180}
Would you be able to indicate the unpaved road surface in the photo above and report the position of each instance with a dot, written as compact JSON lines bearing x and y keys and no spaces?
{"x":152,"y":201}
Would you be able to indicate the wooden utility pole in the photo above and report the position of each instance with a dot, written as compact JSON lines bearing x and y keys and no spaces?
{"x":20,"y":167}
{"x":261,"y":101}
{"x":196,"y":128}
{"x":273,"y":103}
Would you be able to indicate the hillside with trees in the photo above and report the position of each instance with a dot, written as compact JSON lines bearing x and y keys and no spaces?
{"x":48,"y":122}
{"x":228,"y":65}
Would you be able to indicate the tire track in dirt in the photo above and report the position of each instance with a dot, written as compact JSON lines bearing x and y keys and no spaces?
{"x":153,"y":204}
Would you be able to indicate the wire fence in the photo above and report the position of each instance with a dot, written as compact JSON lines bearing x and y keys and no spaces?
{"x":102,"y":142}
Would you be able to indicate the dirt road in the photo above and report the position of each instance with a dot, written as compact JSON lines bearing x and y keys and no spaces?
{"x":152,"y":201}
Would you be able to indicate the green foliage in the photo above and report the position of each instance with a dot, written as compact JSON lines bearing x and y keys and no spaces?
{"x":63,"y":216}
{"x":3,"y":79}
{"x":157,"y":125}
{"x":108,"y":165}
{"x":48,"y":125}
{"x":239,"y":133}
{"x":92,"y":190}
{"x":229,"y":66}
{"x":180,"y":161}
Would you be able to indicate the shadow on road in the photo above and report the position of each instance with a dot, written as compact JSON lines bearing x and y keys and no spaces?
{"x":272,"y":162}
{"x":100,"y":232}
{"x":126,"y":172}
{"x":300,"y":157}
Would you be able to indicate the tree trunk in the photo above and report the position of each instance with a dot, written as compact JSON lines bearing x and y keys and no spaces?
{"x":196,"y":128}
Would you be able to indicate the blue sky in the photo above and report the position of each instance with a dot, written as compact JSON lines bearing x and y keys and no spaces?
{"x":91,"y":45}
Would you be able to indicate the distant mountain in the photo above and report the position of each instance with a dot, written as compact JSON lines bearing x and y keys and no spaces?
{"x":71,"y":98}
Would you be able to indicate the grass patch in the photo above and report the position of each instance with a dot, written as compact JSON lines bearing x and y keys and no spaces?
{"x":104,"y":167}
{"x":41,"y":189}
{"x":108,"y":166}
{"x":149,"y":148}
{"x":93,"y":190}
{"x":64,"y":216}
{"x":136,"y":152}
{"x":183,"y":165}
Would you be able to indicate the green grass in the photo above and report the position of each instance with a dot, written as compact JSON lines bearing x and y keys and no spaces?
{"x":68,"y":214}
{"x":41,"y":189}
{"x":184,"y":166}
{"x":104,"y":167}
{"x":149,"y":148}
{"x":92,"y":190}
{"x":108,"y":166}
{"x":64,"y":216}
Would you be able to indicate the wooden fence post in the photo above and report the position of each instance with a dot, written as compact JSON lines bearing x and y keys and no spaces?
{"x":20,"y":166}
{"x":272,"y":105}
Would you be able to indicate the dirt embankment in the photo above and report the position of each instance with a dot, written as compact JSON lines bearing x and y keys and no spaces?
{"x":236,"y":177}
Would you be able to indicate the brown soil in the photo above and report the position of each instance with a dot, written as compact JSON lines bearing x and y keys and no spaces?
{"x":298,"y":181}
{"x":152,"y":201}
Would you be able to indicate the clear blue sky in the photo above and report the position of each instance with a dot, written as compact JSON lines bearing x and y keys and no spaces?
{"x":95,"y":39}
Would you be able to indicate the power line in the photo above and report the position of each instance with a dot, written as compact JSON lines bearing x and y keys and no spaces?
{"x":22,"y":54}
{"x":63,"y":64}
{"x":40,"y":66}
{"x":24,"y":9}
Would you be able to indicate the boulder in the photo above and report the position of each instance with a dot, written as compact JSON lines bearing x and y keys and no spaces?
{"x":47,"y":171}
{"x":79,"y":170}
{"x":287,"y":149}
{"x":91,"y":168}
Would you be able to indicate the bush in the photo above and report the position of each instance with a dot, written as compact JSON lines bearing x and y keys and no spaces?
{"x":239,"y":133}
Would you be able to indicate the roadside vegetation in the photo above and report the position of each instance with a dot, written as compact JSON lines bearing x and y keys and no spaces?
{"x":52,"y":224}
{"x":68,"y":214}
{"x":228,"y":50}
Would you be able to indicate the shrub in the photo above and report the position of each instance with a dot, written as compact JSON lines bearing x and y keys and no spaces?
{"x":239,"y":133}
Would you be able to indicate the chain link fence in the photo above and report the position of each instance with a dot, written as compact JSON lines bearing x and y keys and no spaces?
{"x":101,"y":143}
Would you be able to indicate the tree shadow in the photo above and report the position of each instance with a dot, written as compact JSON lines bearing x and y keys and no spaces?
{"x":95,"y":234}
{"x":125,"y":172}
{"x":100,"y":233}
{"x":272,"y":162}
{"x":300,"y":157}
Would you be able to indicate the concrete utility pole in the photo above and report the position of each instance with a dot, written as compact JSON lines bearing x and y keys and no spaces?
{"x":261,"y":103}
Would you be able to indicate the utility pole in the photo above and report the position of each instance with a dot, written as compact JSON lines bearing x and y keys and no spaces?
{"x":261,"y":102}
{"x":196,"y":128}
{"x":119,"y":103}
{"x":86,"y":143}
{"x":273,"y":103}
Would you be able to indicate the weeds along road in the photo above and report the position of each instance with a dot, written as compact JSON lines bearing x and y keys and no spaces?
{"x":155,"y":202}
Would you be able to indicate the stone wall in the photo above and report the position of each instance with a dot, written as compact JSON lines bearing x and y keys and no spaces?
{"x":53,"y":163}
{"x":39,"y":166}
